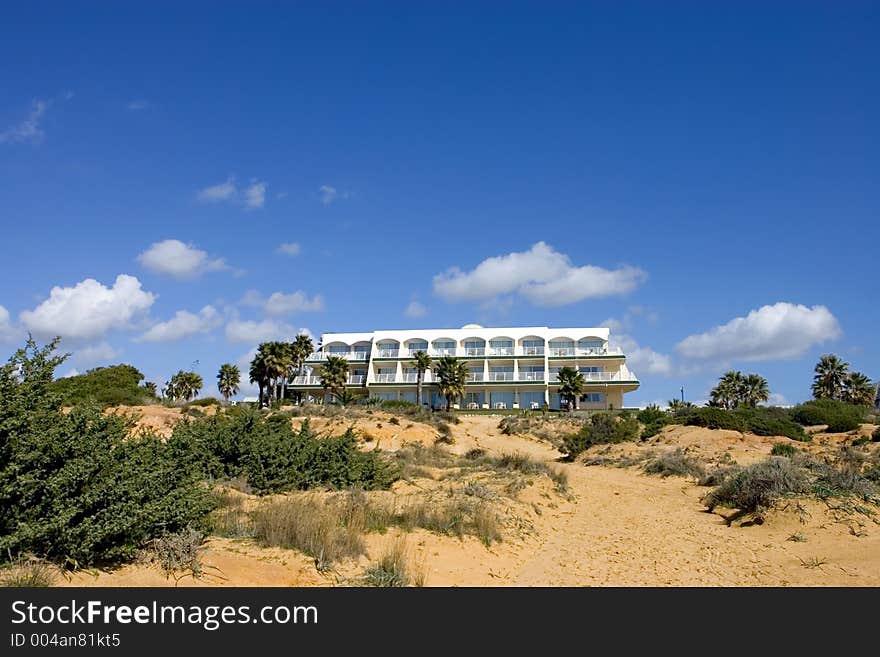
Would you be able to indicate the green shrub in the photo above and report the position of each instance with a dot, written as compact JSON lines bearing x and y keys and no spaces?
{"x":783,"y":449}
{"x":771,"y":422}
{"x":714,"y":418}
{"x":757,"y":487}
{"x":652,"y":414}
{"x":105,"y":386}
{"x":603,"y":428}
{"x":205,"y":401}
{"x":75,"y":488}
{"x":839,"y":416}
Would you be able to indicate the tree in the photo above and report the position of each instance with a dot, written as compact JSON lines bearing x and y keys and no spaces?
{"x":183,"y":385}
{"x":452,"y":375}
{"x":571,"y":385}
{"x":228,"y":380}
{"x":277,"y":362}
{"x":677,"y":404}
{"x":334,"y":375}
{"x":830,"y":377}
{"x":301,"y":349}
{"x":859,"y":390}
{"x":422,"y":363}
{"x":754,"y":390}
{"x":259,"y":373}
{"x":730,"y":390}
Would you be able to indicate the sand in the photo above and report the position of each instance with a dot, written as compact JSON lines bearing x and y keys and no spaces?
{"x":618,"y":527}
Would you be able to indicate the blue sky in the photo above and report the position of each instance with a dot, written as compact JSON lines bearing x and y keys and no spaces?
{"x":702,"y":178}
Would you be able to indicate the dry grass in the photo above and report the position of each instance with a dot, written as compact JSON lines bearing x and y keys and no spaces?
{"x":177,"y":553}
{"x":230,"y":518}
{"x":395,"y":568}
{"x":28,"y":571}
{"x":675,"y":463}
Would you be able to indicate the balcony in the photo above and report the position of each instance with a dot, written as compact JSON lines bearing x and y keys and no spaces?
{"x":600,"y":376}
{"x":356,"y":379}
{"x":347,"y":355}
{"x":305,"y":381}
{"x":474,"y":377}
{"x":474,"y":351}
{"x":385,"y":378}
{"x":532,"y":351}
{"x":439,"y":353}
{"x":500,"y":376}
{"x":531,"y":376}
{"x":387,"y":353}
{"x":499,"y":351}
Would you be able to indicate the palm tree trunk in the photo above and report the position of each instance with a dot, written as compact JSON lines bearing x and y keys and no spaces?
{"x":419,"y":390}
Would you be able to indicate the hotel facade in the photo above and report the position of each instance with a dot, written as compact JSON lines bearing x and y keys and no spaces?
{"x":509,"y":367}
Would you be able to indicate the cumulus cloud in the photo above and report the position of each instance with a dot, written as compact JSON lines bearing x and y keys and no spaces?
{"x":415,"y":309}
{"x":783,"y":331}
{"x":328,"y":194}
{"x":224,"y":191}
{"x":95,"y":354}
{"x":280,"y":303}
{"x":180,"y":260}
{"x":541,"y":275}
{"x":255,"y":195}
{"x":252,"y":331}
{"x":640,"y":359}
{"x":89,"y":309}
{"x":182,"y":325}
{"x":29,"y":128}
{"x":289,"y":248}
{"x":7,"y":330}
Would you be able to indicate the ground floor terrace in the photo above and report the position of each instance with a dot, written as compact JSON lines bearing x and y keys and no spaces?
{"x":500,"y":397}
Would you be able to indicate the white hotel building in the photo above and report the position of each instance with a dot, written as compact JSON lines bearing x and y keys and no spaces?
{"x":510,"y":367}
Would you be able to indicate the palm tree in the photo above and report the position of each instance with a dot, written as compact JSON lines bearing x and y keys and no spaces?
{"x":755,"y":390}
{"x":677,"y":404}
{"x":830,"y":377}
{"x":452,"y":375}
{"x":571,"y":385}
{"x":859,"y":390}
{"x":730,"y":391}
{"x":334,"y":375}
{"x":184,"y":385}
{"x":259,"y":373}
{"x":422,"y":363}
{"x":228,"y":380}
{"x":301,"y":349}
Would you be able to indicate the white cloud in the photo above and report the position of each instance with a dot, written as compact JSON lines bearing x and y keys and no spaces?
{"x":777,"y":399}
{"x":137,"y":105}
{"x":7,"y":330}
{"x":289,"y":248}
{"x":180,"y":260}
{"x":255,"y":195}
{"x":541,"y":275}
{"x":183,"y":324}
{"x":89,"y":309}
{"x":782,"y":331}
{"x":328,"y":194}
{"x":642,"y":360}
{"x":252,"y":331}
{"x":71,"y":372}
{"x":94,"y":354}
{"x":221,"y":192}
{"x":284,"y":304}
{"x":415,"y":309}
{"x":29,"y":128}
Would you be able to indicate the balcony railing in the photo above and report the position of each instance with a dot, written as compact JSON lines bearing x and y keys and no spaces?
{"x":532,"y":351}
{"x":387,"y":353}
{"x":500,"y":376}
{"x":578,"y":352}
{"x":499,"y":351}
{"x":474,"y":351}
{"x":531,"y":376}
{"x":411,"y":377}
{"x":385,"y":378}
{"x":356,"y":379}
{"x":474,"y":377}
{"x":306,"y":381}
{"x":347,"y":355}
{"x":600,"y":376}
{"x":442,"y":352}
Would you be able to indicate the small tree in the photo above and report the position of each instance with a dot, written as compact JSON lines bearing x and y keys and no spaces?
{"x":755,"y":390}
{"x":183,"y":385}
{"x":571,"y":386}
{"x":859,"y":390}
{"x":334,"y":375}
{"x":830,"y":378}
{"x":228,"y":380}
{"x":452,"y":375}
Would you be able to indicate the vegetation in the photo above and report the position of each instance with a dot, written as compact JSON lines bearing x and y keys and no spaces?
{"x":228,"y":380}
{"x":571,"y":385}
{"x":334,"y":376}
{"x":760,"y":421}
{"x":105,"y":386}
{"x":838,"y":415}
{"x":421,"y":363}
{"x":833,"y":380}
{"x":783,"y":449}
{"x":603,"y":428}
{"x":452,"y":375}
{"x":183,"y":386}
{"x":75,"y":488}
{"x":393,"y":569}
{"x":675,"y":463}
{"x":735,"y":389}
{"x":654,"y":418}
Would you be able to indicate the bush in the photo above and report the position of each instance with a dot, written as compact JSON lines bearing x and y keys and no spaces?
{"x":715,"y":418}
{"x":839,"y":416}
{"x":783,"y":449}
{"x":675,"y":462}
{"x":205,"y":401}
{"x":756,"y":488}
{"x":771,"y":422}
{"x":105,"y":386}
{"x":75,"y":488}
{"x":652,"y":415}
{"x":604,"y":428}
{"x":394,"y":570}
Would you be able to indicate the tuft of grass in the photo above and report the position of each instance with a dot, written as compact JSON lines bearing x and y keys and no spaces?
{"x":229,"y":518}
{"x":27,"y":571}
{"x":675,"y":463}
{"x":783,"y":449}
{"x":178,"y":552}
{"x":797,"y":538}
{"x":395,"y":569}
{"x":308,"y":524}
